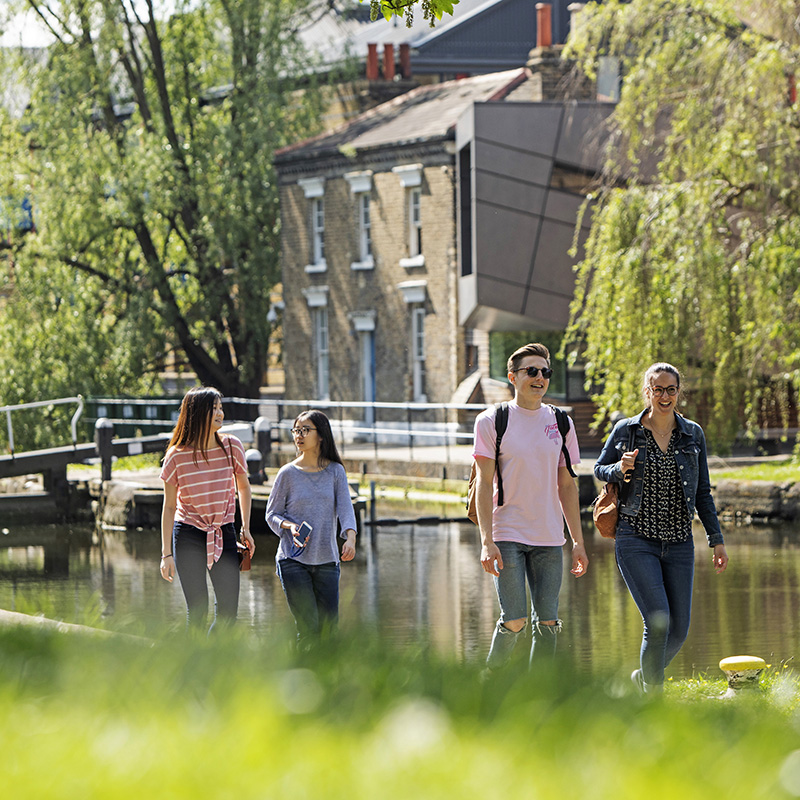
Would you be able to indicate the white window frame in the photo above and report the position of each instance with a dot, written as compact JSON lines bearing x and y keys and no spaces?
{"x":418,"y":348}
{"x":318,"y":262}
{"x":360,"y":188}
{"x":411,"y":179}
{"x":314,"y":191}
{"x":321,"y":351}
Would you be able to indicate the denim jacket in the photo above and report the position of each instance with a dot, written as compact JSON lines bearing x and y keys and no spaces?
{"x":692,"y":460}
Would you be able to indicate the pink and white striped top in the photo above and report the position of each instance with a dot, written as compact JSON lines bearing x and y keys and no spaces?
{"x":206,"y":490}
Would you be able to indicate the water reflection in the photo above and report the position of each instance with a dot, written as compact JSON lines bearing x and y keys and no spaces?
{"x":414,"y":579}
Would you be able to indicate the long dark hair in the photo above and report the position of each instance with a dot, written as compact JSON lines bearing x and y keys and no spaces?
{"x":194,"y":420}
{"x":327,"y":445}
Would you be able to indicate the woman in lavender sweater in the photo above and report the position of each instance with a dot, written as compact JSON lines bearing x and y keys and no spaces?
{"x":312,"y":488}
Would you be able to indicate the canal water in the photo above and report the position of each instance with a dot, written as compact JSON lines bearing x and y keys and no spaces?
{"x":415,"y":580}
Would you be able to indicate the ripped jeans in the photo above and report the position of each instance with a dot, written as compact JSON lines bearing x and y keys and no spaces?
{"x":541,"y":567}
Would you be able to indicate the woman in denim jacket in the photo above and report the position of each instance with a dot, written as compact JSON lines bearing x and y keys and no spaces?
{"x":659,"y":460}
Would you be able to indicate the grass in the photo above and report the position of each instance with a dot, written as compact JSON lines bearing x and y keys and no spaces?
{"x":245,"y":718}
{"x":776,"y":471}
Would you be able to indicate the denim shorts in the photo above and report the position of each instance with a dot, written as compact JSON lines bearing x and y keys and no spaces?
{"x":542,"y":568}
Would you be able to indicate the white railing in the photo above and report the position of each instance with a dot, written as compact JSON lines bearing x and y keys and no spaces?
{"x":44,"y":404}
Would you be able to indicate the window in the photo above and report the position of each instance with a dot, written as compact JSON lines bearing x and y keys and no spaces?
{"x":320,"y":354}
{"x":364,"y":228}
{"x":314,"y":189}
{"x":317,"y":231}
{"x":414,"y":223}
{"x":360,"y":188}
{"x":418,"y":353}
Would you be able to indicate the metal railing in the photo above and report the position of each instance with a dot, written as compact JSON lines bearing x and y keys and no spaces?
{"x":364,"y":423}
{"x":44,"y":404}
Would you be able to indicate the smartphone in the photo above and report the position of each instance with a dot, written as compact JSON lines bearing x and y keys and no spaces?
{"x":302,"y":533}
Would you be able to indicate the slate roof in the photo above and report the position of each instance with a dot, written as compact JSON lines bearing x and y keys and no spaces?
{"x":423,"y":114}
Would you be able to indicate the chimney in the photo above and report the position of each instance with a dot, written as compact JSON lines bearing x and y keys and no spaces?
{"x":372,"y":62}
{"x":388,"y":62}
{"x":405,"y":61}
{"x":544,"y":27}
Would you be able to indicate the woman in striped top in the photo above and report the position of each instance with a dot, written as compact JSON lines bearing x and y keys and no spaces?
{"x":202,"y":473}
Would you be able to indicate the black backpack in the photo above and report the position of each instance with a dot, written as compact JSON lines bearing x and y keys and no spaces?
{"x":500,"y":424}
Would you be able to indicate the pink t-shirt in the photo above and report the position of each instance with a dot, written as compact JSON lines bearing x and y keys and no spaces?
{"x":207,"y":489}
{"x":530,"y":455}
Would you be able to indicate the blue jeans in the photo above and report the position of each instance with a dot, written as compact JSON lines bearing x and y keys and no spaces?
{"x":312,"y":592}
{"x":541,"y":567}
{"x":659,"y":575}
{"x":189,"y":552}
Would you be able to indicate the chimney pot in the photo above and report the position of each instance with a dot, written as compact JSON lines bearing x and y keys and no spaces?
{"x":388,"y":62}
{"x":544,"y":28}
{"x":372,"y":62}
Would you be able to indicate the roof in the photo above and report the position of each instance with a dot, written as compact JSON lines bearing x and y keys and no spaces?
{"x":426,"y":113}
{"x":480,"y":36}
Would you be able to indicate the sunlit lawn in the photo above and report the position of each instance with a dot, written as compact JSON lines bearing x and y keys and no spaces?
{"x":777,"y":471}
{"x":244,"y":718}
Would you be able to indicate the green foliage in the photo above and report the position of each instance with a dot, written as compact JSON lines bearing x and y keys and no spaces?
{"x":358,"y":719}
{"x":693,"y":252}
{"x":146,"y":153}
{"x":785,"y":470}
{"x":432,"y":10}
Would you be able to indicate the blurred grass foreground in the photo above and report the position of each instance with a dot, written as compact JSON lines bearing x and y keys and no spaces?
{"x":236,"y":717}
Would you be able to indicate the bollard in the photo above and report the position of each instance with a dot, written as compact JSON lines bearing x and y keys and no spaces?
{"x":253,"y":459}
{"x":262,"y":428}
{"x":743,"y":672}
{"x":103,"y":436}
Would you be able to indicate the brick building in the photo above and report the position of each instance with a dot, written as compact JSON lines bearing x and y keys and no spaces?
{"x":394,"y":273}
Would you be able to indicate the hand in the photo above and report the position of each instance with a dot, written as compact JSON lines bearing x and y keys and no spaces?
{"x":168,"y":568}
{"x":249,"y":541}
{"x":580,"y":561}
{"x":720,"y":558}
{"x":349,"y":547}
{"x":491,"y":560}
{"x":293,"y":529}
{"x":627,"y":462}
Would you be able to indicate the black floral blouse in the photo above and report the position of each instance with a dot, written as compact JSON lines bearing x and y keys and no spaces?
{"x":663,"y":514}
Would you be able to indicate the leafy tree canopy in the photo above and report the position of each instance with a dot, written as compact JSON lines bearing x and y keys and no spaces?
{"x":146,"y":154}
{"x":432,"y":10}
{"x":694,"y":251}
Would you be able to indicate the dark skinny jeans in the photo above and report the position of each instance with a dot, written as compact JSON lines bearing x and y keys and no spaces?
{"x":189,"y":551}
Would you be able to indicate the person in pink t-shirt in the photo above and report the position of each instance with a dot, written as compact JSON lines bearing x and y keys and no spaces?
{"x":522,"y":539}
{"x":202,"y":473}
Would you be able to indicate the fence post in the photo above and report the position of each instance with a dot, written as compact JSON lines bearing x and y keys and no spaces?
{"x":103,"y":435}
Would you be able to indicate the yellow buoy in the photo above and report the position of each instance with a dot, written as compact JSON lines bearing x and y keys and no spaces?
{"x":743,"y":672}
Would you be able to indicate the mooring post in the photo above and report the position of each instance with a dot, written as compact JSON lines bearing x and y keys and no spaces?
{"x":262,"y":428}
{"x":103,"y":436}
{"x":253,"y":460}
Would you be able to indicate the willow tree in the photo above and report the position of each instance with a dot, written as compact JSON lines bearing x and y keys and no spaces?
{"x":694,"y":251}
{"x":145,"y":153}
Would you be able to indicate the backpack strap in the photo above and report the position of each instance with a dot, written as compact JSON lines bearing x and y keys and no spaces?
{"x":500,"y":425}
{"x":562,"y":419}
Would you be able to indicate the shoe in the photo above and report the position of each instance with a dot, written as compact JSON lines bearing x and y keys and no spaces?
{"x":638,"y":680}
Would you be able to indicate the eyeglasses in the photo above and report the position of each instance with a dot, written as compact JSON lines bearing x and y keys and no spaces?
{"x":658,"y":391}
{"x":534,"y":371}
{"x":304,"y":431}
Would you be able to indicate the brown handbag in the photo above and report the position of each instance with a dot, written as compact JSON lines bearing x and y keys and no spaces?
{"x":605,"y":510}
{"x":244,"y":553}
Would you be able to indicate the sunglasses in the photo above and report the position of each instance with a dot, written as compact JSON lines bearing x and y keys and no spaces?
{"x":534,"y":371}
{"x":658,"y":391}
{"x":304,"y":431}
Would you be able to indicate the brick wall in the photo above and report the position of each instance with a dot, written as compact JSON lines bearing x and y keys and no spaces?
{"x":375,"y":289}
